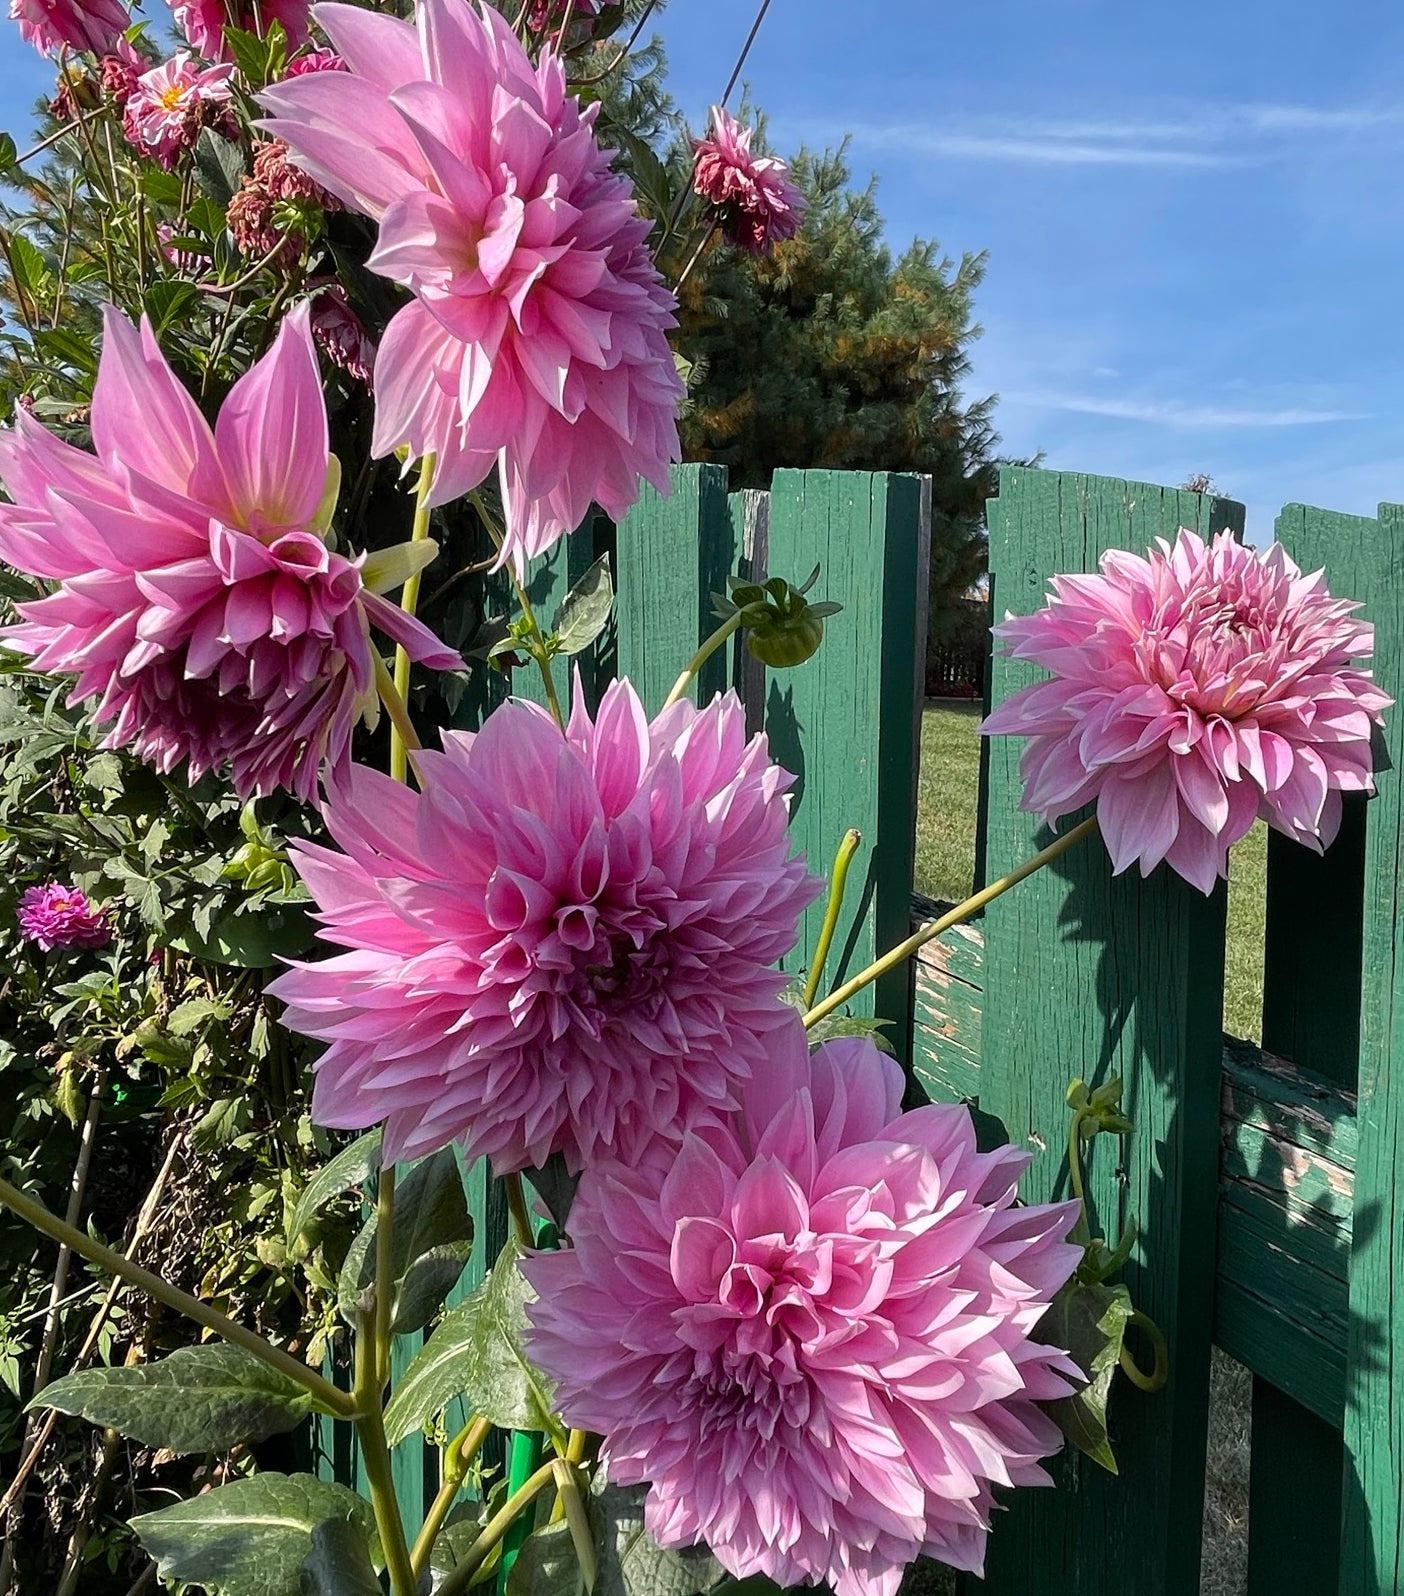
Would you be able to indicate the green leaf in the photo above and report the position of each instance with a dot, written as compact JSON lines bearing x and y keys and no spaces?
{"x":631,"y":1562}
{"x":250,"y":941}
{"x":167,"y":301}
{"x":546,"y":1565}
{"x":339,"y":1563}
{"x":200,"y":1399}
{"x":31,"y":272}
{"x":476,"y":1353}
{"x":433,"y":1236}
{"x":250,"y":55}
{"x":250,"y":1537}
{"x":67,"y":348}
{"x":584,"y":612}
{"x":353,"y":1166}
{"x":187,"y":1018}
{"x":387,"y":569}
{"x":1089,"y":1322}
{"x":9,"y":153}
{"x":219,"y":166}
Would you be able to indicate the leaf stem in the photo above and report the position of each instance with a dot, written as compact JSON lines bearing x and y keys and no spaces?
{"x":709,"y":647}
{"x":517,"y":1208}
{"x":409,"y":601}
{"x":536,"y":643}
{"x":384,"y":1275}
{"x":458,"y":1457}
{"x":842,"y":859}
{"x":370,"y":1427}
{"x":326,"y":1395}
{"x":396,"y":708}
{"x":1160,"y":1373}
{"x":962,"y":911}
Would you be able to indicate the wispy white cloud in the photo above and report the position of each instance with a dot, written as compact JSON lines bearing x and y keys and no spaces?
{"x":1164,"y":413}
{"x":913,"y":139}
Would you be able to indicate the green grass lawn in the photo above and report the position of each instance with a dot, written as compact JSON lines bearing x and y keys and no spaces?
{"x":945,"y":854}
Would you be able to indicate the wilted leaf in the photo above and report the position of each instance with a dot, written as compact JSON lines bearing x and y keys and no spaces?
{"x":250,"y":1537}
{"x":476,"y":1353}
{"x":200,"y":1399}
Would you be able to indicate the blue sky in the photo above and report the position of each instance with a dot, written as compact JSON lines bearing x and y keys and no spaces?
{"x":1194,"y":212}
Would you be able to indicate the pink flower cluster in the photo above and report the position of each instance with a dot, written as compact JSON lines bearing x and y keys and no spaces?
{"x":565,"y":943}
{"x":57,"y":916}
{"x":195,"y":598}
{"x":50,"y":25}
{"x":811,"y":1330}
{"x":537,"y":305}
{"x":1193,"y":691}
{"x":757,"y":204}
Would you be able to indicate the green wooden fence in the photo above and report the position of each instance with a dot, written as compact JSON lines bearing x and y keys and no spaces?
{"x":1263,"y":1180}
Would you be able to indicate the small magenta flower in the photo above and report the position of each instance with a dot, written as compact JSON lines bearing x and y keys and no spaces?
{"x":164,"y":113}
{"x":317,"y":60}
{"x":340,"y":333}
{"x":537,"y":304}
{"x":565,"y":943}
{"x":811,"y":1329}
{"x":757,"y":203}
{"x":57,"y":916}
{"x":546,"y":14}
{"x":49,"y":25}
{"x":203,"y":22}
{"x":194,"y":595}
{"x":1193,"y":691}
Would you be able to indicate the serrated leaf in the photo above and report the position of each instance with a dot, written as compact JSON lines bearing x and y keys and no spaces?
{"x":219,"y":166}
{"x":353,"y":1166}
{"x":631,"y":1562}
{"x":476,"y":1353}
{"x":167,"y":301}
{"x":250,"y":55}
{"x":250,"y":1537}
{"x":431,"y":1213}
{"x":1089,"y":1323}
{"x":187,"y":1018}
{"x":546,"y":1565}
{"x":200,"y":1399}
{"x":584,"y":612}
{"x":836,"y":1024}
{"x":339,"y":1563}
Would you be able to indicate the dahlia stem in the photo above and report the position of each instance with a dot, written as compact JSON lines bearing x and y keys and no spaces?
{"x":323,"y":1393}
{"x":933,"y":928}
{"x":842,"y":859}
{"x":495,"y":1528}
{"x":709,"y":647}
{"x":697,"y":253}
{"x":396,"y":708}
{"x":384,"y":1274}
{"x":375,"y":1453}
{"x":458,"y":1458}
{"x":409,"y":602}
{"x":517,"y":1208}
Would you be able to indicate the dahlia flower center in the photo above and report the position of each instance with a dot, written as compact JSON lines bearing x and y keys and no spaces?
{"x":173,"y":98}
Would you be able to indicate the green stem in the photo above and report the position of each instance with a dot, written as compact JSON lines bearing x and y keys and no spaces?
{"x":1075,"y":1159}
{"x":842,"y":859}
{"x":409,"y":600}
{"x":495,"y":1528}
{"x":326,"y":1395}
{"x":536,"y":642}
{"x":709,"y":647}
{"x":522,"y":1464}
{"x":962,"y":911}
{"x":397,"y":710}
{"x":384,"y":1274}
{"x":517,"y":1208}
{"x":458,"y":1458}
{"x":1129,"y":1367}
{"x":375,"y":1454}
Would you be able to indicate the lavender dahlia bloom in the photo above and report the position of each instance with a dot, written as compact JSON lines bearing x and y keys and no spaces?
{"x":1193,"y":691}
{"x":196,"y":599}
{"x":564,"y":943}
{"x":810,"y":1329}
{"x":757,"y":204}
{"x":56,"y":916}
{"x":538,"y":308}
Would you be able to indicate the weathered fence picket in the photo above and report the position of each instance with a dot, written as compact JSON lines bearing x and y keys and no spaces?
{"x":1268,"y":1200}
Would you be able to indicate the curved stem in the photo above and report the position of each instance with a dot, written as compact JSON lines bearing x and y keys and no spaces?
{"x":709,"y":647}
{"x":962,"y":911}
{"x":1075,"y":1159}
{"x":495,"y":1528}
{"x":842,"y":859}
{"x":1129,"y":1367}
{"x":370,"y":1427}
{"x":409,"y":601}
{"x":458,"y":1458}
{"x":323,"y":1392}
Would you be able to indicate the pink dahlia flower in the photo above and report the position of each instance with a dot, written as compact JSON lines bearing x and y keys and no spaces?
{"x":49,"y":25}
{"x":552,"y":13}
{"x":56,"y":916}
{"x":757,"y":204}
{"x":340,"y":333}
{"x":538,"y":309}
{"x":317,"y":60}
{"x":196,"y":599}
{"x":810,"y":1330}
{"x":1193,"y":691}
{"x":164,"y":113}
{"x":564,"y":943}
{"x":203,"y":22}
